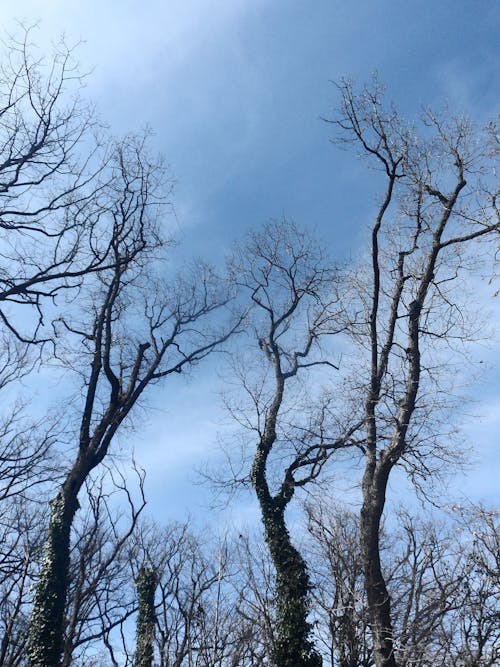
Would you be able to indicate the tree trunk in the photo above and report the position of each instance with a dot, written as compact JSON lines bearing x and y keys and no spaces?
{"x":45,"y":637}
{"x":379,"y":603}
{"x":146,"y":583}
{"x":46,"y":631}
{"x":292,"y":646}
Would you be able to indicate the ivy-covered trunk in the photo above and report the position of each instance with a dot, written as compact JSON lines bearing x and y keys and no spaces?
{"x":292,"y":646}
{"x":45,"y":637}
{"x":292,"y":291}
{"x":146,"y":583}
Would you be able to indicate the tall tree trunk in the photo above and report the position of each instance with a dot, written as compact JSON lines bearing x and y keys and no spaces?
{"x":379,"y":603}
{"x":46,"y":631}
{"x":146,"y":583}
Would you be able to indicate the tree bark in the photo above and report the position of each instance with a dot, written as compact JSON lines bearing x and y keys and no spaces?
{"x":379,"y":603}
{"x":46,"y":632}
{"x":291,"y":646}
{"x":146,"y":587}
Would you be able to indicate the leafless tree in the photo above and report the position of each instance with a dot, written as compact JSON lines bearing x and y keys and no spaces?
{"x":439,"y":200}
{"x":137,"y":330}
{"x":293,"y":293}
{"x":57,"y":171}
{"x":54,"y":182}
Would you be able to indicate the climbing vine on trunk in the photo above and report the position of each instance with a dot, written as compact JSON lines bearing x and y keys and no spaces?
{"x":293,"y":292}
{"x":146,"y":583}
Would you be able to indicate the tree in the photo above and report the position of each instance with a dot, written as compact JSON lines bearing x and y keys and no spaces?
{"x":439,"y":202}
{"x":137,"y":331}
{"x":293,"y":293}
{"x":55,"y":182}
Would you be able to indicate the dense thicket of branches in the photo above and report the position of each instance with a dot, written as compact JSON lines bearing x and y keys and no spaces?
{"x":215,"y":601}
{"x":330,"y":369}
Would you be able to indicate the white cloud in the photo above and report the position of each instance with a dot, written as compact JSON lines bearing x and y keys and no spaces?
{"x":132,"y":40}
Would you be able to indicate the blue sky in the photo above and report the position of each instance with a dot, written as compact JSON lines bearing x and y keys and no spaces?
{"x":234,"y":90}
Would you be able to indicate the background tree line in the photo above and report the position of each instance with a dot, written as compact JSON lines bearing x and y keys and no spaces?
{"x":333,"y":363}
